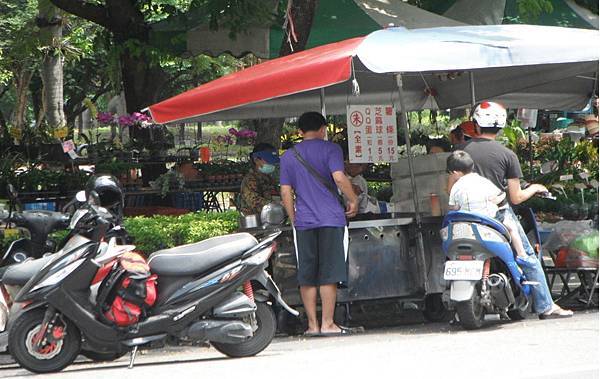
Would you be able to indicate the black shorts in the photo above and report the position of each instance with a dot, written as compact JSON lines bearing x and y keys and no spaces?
{"x":321,"y":254}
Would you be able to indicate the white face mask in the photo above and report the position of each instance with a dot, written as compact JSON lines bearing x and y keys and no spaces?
{"x":267,"y":168}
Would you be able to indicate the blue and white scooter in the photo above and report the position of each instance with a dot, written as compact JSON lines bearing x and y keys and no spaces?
{"x":481,"y":269}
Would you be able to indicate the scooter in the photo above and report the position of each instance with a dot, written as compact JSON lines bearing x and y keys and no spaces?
{"x":207,"y":291}
{"x":14,"y":275}
{"x":39,"y":223}
{"x":481,"y":270}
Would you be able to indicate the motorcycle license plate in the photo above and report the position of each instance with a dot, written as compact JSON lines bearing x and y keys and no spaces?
{"x":463,"y":270}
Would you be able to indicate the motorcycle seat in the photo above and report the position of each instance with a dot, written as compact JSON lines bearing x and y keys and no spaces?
{"x":19,"y":274}
{"x":461,"y":216}
{"x":198,"y":257}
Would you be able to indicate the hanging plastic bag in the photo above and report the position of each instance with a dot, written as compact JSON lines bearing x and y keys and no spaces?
{"x":565,"y":232}
{"x":588,"y":243}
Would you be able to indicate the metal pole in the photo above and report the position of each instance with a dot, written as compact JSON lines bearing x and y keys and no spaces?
{"x":323,"y":110}
{"x":198,"y":133}
{"x":530,"y":154}
{"x":322,"y":96}
{"x":472,"y":86}
{"x":421,"y":264}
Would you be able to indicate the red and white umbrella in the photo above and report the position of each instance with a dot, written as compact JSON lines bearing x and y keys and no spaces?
{"x":520,"y":65}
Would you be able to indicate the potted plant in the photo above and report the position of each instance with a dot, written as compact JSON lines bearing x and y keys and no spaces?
{"x":168,"y":181}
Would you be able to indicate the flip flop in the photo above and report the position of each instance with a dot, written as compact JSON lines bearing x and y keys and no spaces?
{"x":556,"y":313}
{"x":311,"y":334}
{"x":344,"y":331}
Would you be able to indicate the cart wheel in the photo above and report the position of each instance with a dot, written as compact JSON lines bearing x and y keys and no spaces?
{"x":435,"y":309}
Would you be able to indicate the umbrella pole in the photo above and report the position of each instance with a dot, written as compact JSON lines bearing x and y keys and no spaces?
{"x":472,"y":87}
{"x":322,"y":97}
{"x":420,"y":245}
{"x":530,"y":153}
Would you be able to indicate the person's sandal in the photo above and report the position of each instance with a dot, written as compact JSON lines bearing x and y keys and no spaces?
{"x":557,"y":312}
{"x":344,"y":331}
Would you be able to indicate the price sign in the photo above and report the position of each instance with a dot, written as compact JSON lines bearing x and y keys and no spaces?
{"x":372,"y":136}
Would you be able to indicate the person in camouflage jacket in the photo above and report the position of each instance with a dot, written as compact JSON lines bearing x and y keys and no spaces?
{"x":259,"y":186}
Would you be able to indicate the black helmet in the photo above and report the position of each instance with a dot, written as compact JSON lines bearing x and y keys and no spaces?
{"x":108,"y":189}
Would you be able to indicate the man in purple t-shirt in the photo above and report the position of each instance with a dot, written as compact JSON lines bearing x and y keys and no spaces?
{"x":319,"y":220}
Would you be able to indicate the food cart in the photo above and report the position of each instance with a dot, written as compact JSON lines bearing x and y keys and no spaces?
{"x":398,"y":255}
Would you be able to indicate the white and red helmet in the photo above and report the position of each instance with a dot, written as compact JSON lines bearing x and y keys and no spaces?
{"x":490,"y":115}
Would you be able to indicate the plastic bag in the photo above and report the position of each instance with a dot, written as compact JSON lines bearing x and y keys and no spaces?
{"x":565,"y":232}
{"x":588,"y":243}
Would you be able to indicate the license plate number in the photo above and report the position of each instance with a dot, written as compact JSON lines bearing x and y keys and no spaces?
{"x":463,"y":270}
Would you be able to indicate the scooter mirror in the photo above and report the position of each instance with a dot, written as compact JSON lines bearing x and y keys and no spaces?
{"x":93,"y":198}
{"x":80,"y":196}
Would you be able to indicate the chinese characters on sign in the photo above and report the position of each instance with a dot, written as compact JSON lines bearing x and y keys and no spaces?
{"x":372,"y":134}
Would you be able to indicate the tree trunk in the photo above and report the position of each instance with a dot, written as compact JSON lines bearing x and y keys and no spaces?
{"x":140,"y":77}
{"x":21,"y":79}
{"x":141,"y":80}
{"x":269,"y":130}
{"x":35,"y":91}
{"x":51,"y":25}
{"x":302,"y":11}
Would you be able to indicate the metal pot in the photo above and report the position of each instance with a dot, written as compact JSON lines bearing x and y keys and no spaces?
{"x":250,"y":221}
{"x":272,"y":214}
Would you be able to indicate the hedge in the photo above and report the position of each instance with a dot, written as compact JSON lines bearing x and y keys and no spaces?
{"x":160,"y":232}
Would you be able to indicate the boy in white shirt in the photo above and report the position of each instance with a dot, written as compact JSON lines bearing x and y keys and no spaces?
{"x":474,"y":193}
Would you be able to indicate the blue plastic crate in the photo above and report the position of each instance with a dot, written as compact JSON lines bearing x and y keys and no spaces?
{"x":45,"y":206}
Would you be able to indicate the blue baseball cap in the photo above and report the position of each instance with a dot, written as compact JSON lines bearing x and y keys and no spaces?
{"x":269,"y":156}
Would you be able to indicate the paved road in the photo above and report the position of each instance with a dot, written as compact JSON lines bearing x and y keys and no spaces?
{"x":532,"y":349}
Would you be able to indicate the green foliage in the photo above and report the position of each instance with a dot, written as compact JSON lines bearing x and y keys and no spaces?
{"x":6,"y":241}
{"x":59,"y":235}
{"x":115,"y":167}
{"x":567,"y":158}
{"x":43,"y":179}
{"x":159,"y":232}
{"x":168,"y":181}
{"x":512,"y":134}
{"x":379,"y":189}
{"x":8,"y":164}
{"x":18,"y":41}
{"x":532,"y":9}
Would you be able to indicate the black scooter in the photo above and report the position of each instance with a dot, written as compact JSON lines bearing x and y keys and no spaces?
{"x":39,"y":223}
{"x":21,"y":262}
{"x":207,"y":291}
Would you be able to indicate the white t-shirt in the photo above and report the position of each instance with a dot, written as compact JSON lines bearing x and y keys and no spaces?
{"x":474,"y":193}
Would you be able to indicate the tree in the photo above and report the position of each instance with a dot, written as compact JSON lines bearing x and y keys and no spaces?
{"x":302,"y":13}
{"x":50,"y":22}
{"x":18,"y":47}
{"x":128,"y":22}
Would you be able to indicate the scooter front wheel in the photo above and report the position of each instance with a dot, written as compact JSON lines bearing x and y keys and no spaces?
{"x":47,"y":356}
{"x":267,"y":325}
{"x":471,"y":312}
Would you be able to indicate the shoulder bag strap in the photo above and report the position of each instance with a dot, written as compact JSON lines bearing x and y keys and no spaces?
{"x":311,"y":170}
